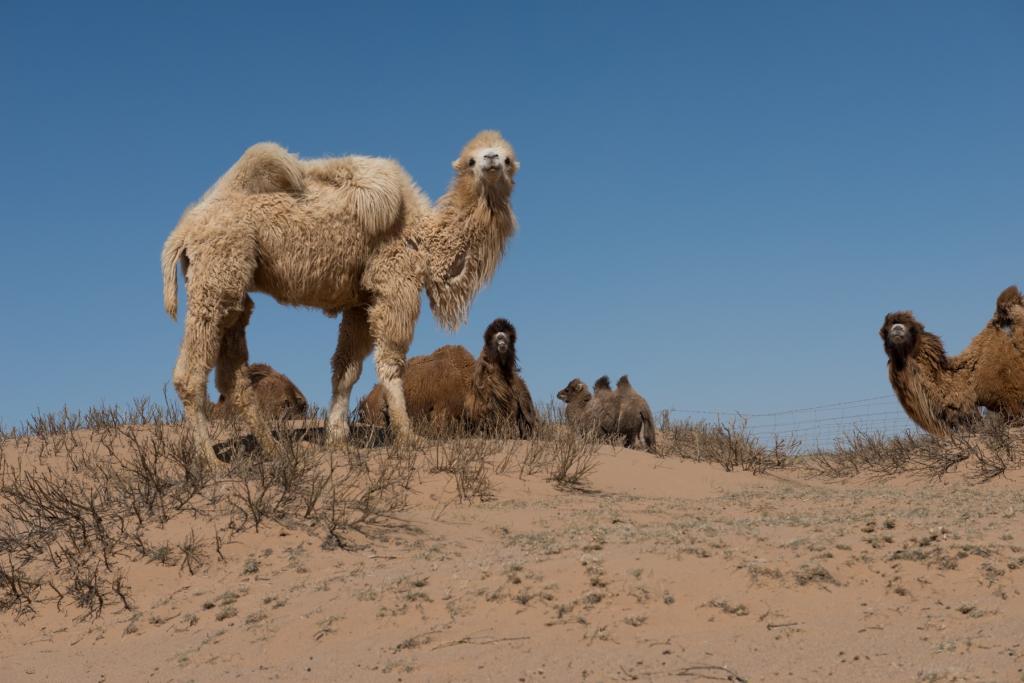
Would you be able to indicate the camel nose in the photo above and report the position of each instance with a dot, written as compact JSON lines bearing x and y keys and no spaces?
{"x":897,"y":330}
{"x":491,"y":156}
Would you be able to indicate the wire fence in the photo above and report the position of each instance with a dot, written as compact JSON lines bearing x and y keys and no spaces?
{"x":814,"y":427}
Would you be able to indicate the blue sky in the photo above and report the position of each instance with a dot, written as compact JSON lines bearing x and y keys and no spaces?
{"x":721,"y":199}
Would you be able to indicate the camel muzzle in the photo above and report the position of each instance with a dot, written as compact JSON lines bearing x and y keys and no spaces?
{"x":897,"y":332}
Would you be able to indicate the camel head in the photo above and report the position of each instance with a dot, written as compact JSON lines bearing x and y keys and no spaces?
{"x":900,"y":334}
{"x":500,"y":344}
{"x":1009,"y":307}
{"x":574,"y":391}
{"x":487,"y":163}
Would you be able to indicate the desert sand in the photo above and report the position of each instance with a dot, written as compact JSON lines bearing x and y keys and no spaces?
{"x":660,"y":569}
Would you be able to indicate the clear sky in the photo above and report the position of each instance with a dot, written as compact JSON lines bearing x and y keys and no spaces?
{"x":722,"y":199}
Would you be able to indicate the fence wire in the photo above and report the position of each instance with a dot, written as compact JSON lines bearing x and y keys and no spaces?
{"x":814,"y":427}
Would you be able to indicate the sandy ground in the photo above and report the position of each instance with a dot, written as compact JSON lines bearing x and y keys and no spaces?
{"x":666,"y":570}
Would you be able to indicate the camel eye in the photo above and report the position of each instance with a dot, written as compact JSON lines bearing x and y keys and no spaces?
{"x":508,"y":161}
{"x":472,"y":162}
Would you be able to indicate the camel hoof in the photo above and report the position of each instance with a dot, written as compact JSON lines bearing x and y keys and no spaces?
{"x":337,"y":434}
{"x":410,"y":440}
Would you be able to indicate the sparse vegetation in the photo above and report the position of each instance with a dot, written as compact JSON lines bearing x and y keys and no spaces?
{"x":994,"y":447}
{"x":730,"y":444}
{"x":82,"y":493}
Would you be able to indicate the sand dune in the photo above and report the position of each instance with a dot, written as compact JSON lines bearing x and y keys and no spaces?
{"x":666,"y":569}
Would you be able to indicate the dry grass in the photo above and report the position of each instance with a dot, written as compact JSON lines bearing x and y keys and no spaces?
{"x":730,"y":444}
{"x":82,"y":493}
{"x":990,"y":450}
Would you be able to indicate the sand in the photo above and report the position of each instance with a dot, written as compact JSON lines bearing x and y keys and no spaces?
{"x":666,"y":569}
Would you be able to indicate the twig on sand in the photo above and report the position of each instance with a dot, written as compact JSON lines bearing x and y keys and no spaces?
{"x":792,"y":623}
{"x":702,"y":671}
{"x":478,"y":640}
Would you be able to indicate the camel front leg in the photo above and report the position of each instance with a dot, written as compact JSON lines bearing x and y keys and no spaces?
{"x":354,"y":345}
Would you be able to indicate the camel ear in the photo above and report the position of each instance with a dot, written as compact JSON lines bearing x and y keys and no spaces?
{"x":515,"y":165}
{"x":457,"y":164}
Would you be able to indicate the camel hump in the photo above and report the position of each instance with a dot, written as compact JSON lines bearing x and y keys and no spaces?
{"x":260,"y":371}
{"x":266,"y":167}
{"x":370,"y":188}
{"x":603,"y":382}
{"x":623,"y":383}
{"x":1008,"y":297}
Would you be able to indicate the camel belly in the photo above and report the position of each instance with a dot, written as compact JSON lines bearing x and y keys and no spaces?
{"x":307,"y":277}
{"x":313,"y":261}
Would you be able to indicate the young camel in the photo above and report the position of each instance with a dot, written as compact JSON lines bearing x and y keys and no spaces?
{"x":351,"y":235}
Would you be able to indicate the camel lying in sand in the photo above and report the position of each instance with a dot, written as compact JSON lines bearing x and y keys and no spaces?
{"x":450,"y":388}
{"x":277,"y":397}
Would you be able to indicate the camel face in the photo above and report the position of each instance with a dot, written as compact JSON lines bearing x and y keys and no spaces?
{"x":492,"y":165}
{"x":489,"y":160}
{"x":571,"y":391}
{"x":899,"y":334}
{"x":501,"y":342}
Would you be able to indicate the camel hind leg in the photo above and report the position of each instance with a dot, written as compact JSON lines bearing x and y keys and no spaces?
{"x":200,"y":348}
{"x":216,"y":301}
{"x":354,"y":345}
{"x":392,"y":321}
{"x":233,"y":380}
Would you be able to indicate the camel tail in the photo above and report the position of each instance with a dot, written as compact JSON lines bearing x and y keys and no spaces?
{"x":174,"y":251}
{"x":647,"y":431}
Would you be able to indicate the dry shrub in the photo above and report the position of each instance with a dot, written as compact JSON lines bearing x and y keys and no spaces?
{"x":566,"y":456}
{"x":573,"y":457}
{"x":468,"y":460}
{"x":730,"y":444}
{"x":75,"y":504}
{"x":1002,"y":447}
{"x":994,"y":447}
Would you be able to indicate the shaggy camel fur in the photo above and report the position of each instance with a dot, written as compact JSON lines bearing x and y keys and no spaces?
{"x":934,"y":389}
{"x":351,"y":235}
{"x":996,"y":357}
{"x":942,"y":393}
{"x":449,"y":387}
{"x":276,"y":396}
{"x":1009,"y":315}
{"x":498,"y":397}
{"x":635,"y":421}
{"x":435,"y":389}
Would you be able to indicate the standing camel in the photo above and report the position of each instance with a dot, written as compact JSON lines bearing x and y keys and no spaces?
{"x":351,"y":235}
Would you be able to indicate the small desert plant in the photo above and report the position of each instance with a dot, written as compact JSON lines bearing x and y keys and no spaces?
{"x":572,"y":458}
{"x":17,"y":590}
{"x":1001,"y":449}
{"x":730,"y":444}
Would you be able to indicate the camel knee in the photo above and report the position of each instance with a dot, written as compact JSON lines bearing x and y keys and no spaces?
{"x":190,"y":385}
